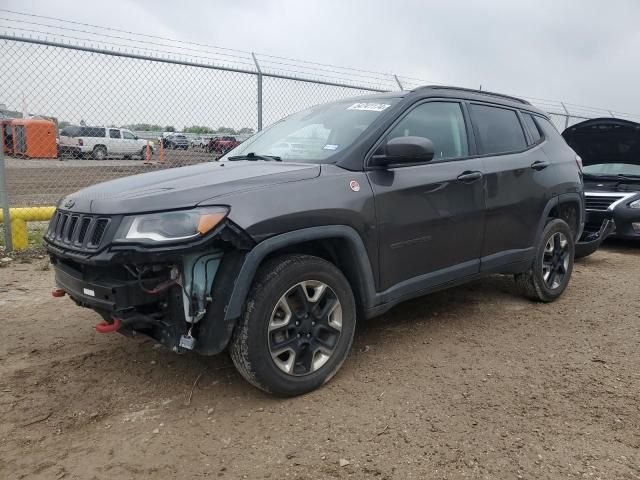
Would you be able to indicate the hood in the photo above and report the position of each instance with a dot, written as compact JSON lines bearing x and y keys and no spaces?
{"x":605,"y":140}
{"x":184,"y":187}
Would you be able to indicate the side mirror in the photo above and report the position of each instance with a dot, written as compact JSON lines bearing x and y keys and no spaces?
{"x":404,"y":151}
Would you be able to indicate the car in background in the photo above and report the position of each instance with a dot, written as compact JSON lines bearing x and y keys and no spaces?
{"x":175,"y":141}
{"x":101,"y":143}
{"x":200,"y":142}
{"x":610,"y":152}
{"x":222,"y":145}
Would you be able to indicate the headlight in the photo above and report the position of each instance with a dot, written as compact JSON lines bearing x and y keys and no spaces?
{"x":635,"y":204}
{"x":170,"y":226}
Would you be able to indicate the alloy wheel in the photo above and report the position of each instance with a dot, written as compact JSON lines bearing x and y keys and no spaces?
{"x":555,"y":260}
{"x":304,"y":328}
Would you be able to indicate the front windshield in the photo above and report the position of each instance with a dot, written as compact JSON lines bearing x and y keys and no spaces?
{"x":315,"y":134}
{"x":612,"y":169}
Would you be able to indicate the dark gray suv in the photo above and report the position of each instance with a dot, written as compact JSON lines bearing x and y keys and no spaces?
{"x":333,"y":214}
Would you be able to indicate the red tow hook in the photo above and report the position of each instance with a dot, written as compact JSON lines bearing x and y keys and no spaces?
{"x":104,"y":327}
{"x":58,"y":292}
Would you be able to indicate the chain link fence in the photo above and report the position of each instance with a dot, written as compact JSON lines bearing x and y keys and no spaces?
{"x":73,"y":114}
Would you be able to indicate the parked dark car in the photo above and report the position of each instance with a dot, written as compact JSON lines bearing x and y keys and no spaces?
{"x":175,"y":141}
{"x":610,"y":152}
{"x":381,"y":199}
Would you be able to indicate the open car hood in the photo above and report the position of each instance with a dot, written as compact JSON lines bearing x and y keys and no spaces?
{"x":605,"y":140}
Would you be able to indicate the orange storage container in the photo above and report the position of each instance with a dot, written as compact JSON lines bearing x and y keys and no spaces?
{"x":34,"y":138}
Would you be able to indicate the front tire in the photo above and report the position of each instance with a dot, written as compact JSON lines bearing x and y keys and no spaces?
{"x":297,"y":327}
{"x":551,"y":271}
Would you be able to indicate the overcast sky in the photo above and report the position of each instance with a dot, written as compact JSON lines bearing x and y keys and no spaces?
{"x":583,"y":51}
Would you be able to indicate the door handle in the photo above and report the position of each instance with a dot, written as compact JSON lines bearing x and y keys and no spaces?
{"x":539,"y":165}
{"x":469,"y":177}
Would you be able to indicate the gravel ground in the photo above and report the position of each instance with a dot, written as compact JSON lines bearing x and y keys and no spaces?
{"x":474,"y":382}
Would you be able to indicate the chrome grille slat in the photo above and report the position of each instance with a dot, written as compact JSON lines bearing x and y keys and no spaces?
{"x":601,"y":202}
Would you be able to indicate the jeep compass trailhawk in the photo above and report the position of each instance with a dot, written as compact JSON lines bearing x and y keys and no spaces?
{"x":333,"y":214}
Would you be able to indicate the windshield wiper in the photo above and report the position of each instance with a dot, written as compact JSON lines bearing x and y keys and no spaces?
{"x":253,"y":156}
{"x":629,"y":176}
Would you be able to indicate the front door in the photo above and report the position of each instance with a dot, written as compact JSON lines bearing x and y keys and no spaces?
{"x":130,"y":142}
{"x":430,"y":216}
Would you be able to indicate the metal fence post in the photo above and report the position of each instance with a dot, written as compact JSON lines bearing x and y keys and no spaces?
{"x":566,"y":120}
{"x":4,"y":201}
{"x":398,"y":82}
{"x":255,"y":60}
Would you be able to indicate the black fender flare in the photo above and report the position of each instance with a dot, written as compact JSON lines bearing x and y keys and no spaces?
{"x":255,"y":257}
{"x":216,"y":328}
{"x":572,"y":197}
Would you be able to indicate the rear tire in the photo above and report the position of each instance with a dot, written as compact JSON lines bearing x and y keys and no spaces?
{"x":99,"y":153}
{"x":297,"y":327}
{"x":551,"y":270}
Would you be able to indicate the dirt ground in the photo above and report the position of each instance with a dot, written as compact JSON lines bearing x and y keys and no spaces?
{"x":474,"y":382}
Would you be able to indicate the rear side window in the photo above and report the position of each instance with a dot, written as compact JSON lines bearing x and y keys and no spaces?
{"x":70,"y":131}
{"x":531,"y":125}
{"x":549,"y":130}
{"x":91,"y":132}
{"x":440,"y":122}
{"x":499,"y":129}
{"x":114,"y":133}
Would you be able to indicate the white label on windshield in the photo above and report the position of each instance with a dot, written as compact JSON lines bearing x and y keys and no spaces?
{"x":330,"y":146}
{"x":370,"y":107}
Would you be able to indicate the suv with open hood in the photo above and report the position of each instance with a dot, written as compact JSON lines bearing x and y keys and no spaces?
{"x":330,"y":215}
{"x":610,"y":151}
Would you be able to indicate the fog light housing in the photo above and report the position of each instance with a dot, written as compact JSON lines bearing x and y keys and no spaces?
{"x":636,"y":226}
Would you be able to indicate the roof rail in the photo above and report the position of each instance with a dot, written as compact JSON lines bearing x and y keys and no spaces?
{"x":471,"y":90}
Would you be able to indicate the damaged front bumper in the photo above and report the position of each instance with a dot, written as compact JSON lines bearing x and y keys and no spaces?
{"x":176,"y":295}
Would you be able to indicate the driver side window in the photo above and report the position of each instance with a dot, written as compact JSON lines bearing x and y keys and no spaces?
{"x":127,"y":135}
{"x":440,"y":122}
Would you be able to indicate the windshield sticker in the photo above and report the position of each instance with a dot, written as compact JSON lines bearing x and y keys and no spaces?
{"x":370,"y":107}
{"x":330,"y":146}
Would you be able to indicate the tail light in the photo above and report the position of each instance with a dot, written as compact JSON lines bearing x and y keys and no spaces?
{"x":80,"y":142}
{"x":579,"y":162}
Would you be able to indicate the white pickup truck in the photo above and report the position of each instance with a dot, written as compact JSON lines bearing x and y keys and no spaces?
{"x":102,"y":142}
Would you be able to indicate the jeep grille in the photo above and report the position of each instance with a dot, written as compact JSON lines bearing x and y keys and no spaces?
{"x":78,"y":231}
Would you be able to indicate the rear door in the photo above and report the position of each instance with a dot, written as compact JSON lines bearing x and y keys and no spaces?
{"x":514,"y":166}
{"x":431,"y":215}
{"x":114,"y":142}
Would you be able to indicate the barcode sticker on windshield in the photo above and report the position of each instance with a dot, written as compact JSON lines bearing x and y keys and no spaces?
{"x":330,"y":146}
{"x":371,"y":107}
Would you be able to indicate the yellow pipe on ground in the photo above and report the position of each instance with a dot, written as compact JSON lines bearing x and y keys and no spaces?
{"x":19,"y":218}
